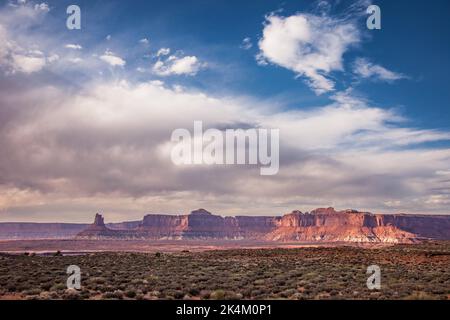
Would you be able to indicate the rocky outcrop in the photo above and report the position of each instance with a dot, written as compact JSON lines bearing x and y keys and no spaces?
{"x":98,"y":230}
{"x":333,"y":226}
{"x":323,"y":224}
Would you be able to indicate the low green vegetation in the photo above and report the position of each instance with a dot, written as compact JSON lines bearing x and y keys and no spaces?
{"x":407,"y":272}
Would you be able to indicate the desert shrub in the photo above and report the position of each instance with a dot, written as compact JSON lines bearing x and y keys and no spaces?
{"x":194,"y":292}
{"x":420,"y":295}
{"x":32,"y":292}
{"x":217,"y":295}
{"x":178,"y":294}
{"x":46,"y":286}
{"x":130,"y":294}
{"x":288,"y":293}
{"x":118,"y":294}
{"x":139,"y":296}
{"x":11,"y":288}
{"x":109,"y":295}
{"x":205,"y":294}
{"x":85,"y":294}
{"x":58,"y":286}
{"x":233,"y":296}
{"x":71,"y":294}
{"x":97,"y":280}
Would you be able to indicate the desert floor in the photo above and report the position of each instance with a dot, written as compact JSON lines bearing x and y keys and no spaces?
{"x":419,"y":271}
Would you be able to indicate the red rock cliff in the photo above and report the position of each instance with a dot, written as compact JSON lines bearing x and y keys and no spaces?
{"x":323,"y":224}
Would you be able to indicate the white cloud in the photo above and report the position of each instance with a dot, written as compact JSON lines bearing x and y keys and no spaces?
{"x":73,"y":46}
{"x":14,"y":58}
{"x":17,"y":52}
{"x":187,"y":65}
{"x":41,"y":7}
{"x":5,"y":45}
{"x":112,"y":59}
{"x":144,"y":41}
{"x":104,"y":144}
{"x":108,"y":143}
{"x":246,"y":43}
{"x":28,"y":63}
{"x":365,"y":69}
{"x":75,"y":60}
{"x":163,"y":52}
{"x":157,"y":83}
{"x":311,"y":46}
{"x":23,"y":12}
{"x":53,"y":58}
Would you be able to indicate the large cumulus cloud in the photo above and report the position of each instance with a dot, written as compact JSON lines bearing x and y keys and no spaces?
{"x":75,"y":143}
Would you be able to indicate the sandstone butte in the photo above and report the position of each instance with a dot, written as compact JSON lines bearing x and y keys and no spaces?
{"x":323,"y":225}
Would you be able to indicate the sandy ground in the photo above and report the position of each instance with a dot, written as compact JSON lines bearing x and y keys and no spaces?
{"x":83,"y":246}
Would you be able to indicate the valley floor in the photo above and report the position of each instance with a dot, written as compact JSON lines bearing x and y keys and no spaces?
{"x":74,"y":246}
{"x":419,"y":271}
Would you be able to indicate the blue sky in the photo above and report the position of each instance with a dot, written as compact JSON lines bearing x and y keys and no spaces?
{"x":410,"y":42}
{"x":86,"y":114}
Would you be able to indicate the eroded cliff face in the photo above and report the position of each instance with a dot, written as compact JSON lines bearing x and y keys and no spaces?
{"x":338,"y":226}
{"x":201,"y":224}
{"x":97,"y":230}
{"x":426,"y":226}
{"x":323,"y":224}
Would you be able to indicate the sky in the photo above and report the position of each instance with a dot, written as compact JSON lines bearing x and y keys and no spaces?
{"x":86,"y":115}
